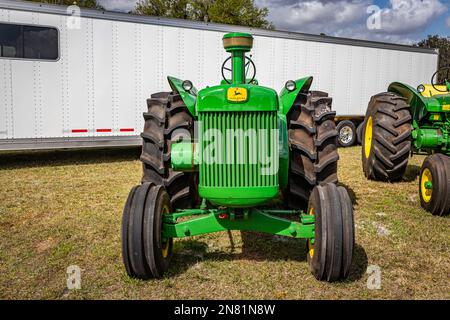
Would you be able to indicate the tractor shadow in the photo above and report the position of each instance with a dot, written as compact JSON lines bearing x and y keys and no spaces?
{"x":55,"y":158}
{"x":351,"y":193}
{"x":255,"y":247}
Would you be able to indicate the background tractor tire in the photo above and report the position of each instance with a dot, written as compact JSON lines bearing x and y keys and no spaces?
{"x":436,"y":170}
{"x":359,"y":133}
{"x":330,"y":257}
{"x":386,"y":143}
{"x":166,"y":120}
{"x":347,"y":135}
{"x":313,"y":146}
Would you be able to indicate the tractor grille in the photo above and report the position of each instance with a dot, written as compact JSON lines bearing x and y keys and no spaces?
{"x":244,"y":139}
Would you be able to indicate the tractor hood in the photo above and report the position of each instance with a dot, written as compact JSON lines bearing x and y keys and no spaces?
{"x":242,"y":97}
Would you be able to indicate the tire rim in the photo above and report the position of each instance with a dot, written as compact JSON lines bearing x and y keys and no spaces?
{"x":346,"y":135}
{"x":165,"y":242}
{"x":368,"y":137}
{"x":426,"y":185}
{"x":310,"y":245}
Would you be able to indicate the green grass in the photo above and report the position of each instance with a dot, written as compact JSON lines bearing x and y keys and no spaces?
{"x":64,"y":208}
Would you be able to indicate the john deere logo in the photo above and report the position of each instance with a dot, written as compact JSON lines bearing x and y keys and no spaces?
{"x":237,"y":94}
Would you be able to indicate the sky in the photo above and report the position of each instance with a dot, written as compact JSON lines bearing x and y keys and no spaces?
{"x":397,"y":21}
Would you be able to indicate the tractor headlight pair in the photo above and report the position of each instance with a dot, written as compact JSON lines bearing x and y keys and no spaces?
{"x":187,"y":85}
{"x":290,"y":85}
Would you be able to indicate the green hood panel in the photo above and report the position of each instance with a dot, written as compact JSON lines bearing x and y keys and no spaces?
{"x":258,"y":99}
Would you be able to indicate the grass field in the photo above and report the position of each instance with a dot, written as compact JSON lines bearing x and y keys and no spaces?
{"x":64,"y":208}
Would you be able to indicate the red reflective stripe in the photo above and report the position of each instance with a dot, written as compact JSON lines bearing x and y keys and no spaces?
{"x":79,"y":130}
{"x":103,"y":130}
{"x":126,"y":130}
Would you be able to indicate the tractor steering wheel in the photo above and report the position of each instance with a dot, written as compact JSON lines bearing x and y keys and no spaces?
{"x":247,"y":67}
{"x":446,"y":79}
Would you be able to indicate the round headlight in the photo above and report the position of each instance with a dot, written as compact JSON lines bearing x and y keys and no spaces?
{"x":421,"y":88}
{"x":187,"y":85}
{"x":290,"y":85}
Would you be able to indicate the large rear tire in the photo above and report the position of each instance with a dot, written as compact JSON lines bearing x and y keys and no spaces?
{"x":313,"y":146}
{"x":434,"y":184}
{"x":386,"y":142}
{"x":167,"y":120}
{"x":331,"y":254}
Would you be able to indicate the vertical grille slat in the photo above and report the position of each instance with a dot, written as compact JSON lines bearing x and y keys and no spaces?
{"x":243,"y":171}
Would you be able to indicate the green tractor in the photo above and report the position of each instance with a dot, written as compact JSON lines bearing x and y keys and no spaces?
{"x":405,"y":121}
{"x":237,"y":156}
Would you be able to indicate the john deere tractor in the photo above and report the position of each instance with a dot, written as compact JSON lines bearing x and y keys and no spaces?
{"x":405,"y":121}
{"x":238,"y":156}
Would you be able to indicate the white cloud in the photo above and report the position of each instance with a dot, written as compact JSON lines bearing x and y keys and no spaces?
{"x":118,"y":5}
{"x":406,"y":16}
{"x":401,"y":20}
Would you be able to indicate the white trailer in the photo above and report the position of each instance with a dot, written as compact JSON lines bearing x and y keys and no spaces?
{"x":68,"y":83}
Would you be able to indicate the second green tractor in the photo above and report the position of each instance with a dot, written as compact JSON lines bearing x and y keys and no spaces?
{"x":405,"y":121}
{"x":238,"y":156}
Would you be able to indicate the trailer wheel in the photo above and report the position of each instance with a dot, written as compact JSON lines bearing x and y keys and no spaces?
{"x":386,"y":142}
{"x":434,"y":184}
{"x":346,"y":133}
{"x":313,"y":146}
{"x":158,"y":250}
{"x":359,"y":132}
{"x":167,"y":120}
{"x":330,"y":256}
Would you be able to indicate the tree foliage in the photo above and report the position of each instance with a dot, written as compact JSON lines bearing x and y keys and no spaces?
{"x":236,"y":12}
{"x":441,"y":43}
{"x":81,"y":3}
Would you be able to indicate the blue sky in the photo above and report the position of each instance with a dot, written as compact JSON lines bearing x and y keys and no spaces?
{"x":398,"y":21}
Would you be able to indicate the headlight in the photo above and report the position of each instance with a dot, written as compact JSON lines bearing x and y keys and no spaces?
{"x":187,"y":85}
{"x":421,"y":88}
{"x":290,"y":85}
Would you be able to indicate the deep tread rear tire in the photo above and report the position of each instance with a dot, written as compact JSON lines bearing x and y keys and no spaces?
{"x":167,"y":116}
{"x":391,"y":138}
{"x":439,"y":167}
{"x":334,"y":236}
{"x":313,"y":146}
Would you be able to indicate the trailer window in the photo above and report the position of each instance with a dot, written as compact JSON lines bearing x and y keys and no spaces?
{"x":28,"y":42}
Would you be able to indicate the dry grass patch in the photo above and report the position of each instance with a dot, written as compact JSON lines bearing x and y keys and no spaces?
{"x":64,"y":208}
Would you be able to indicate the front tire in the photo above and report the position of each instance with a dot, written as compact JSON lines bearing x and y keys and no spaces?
{"x":144,"y":251}
{"x":434,"y":184}
{"x":386,"y":142}
{"x":331,"y":254}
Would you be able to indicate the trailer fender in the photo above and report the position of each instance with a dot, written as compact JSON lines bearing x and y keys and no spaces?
{"x":189,"y":97}
{"x":287,"y":98}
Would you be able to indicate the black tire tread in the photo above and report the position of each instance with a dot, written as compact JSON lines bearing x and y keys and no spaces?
{"x":313,"y":145}
{"x":391,"y":143}
{"x":167,"y":113}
